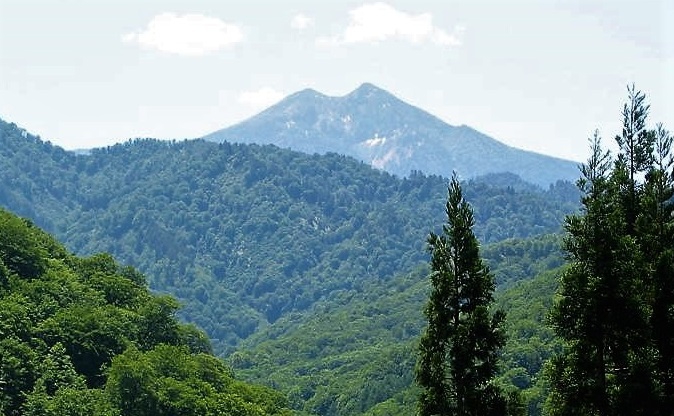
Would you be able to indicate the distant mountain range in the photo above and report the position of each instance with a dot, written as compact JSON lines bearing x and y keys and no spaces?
{"x":374,"y":126}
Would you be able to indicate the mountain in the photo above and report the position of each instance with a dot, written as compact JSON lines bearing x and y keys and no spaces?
{"x":262,"y":245}
{"x":376,"y":127}
{"x":267,"y":231}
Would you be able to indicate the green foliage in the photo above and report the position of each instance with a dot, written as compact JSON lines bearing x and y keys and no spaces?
{"x":19,"y":251}
{"x":244,"y":235}
{"x":157,"y":324}
{"x":518,"y":260}
{"x":60,"y":390}
{"x":65,"y":324}
{"x":324,"y":370}
{"x":170,"y":380}
{"x":610,"y":309}
{"x":258,"y":244}
{"x":530,"y":341}
{"x":18,"y":361}
{"x":458,"y":350}
{"x":93,"y":335}
{"x":69,"y":400}
{"x":342,"y":359}
{"x":347,"y":357}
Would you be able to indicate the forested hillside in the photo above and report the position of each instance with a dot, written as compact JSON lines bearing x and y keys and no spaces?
{"x":306,"y":271}
{"x":357,"y":354}
{"x":84,"y":336}
{"x":246,"y":234}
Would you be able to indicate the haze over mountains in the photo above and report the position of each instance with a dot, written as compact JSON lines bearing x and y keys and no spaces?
{"x":374,"y":126}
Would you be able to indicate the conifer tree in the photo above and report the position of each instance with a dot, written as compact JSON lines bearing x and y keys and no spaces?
{"x":656,"y":229}
{"x":613,"y":302}
{"x":459,"y":349}
{"x":593,"y":311}
{"x":636,"y":153}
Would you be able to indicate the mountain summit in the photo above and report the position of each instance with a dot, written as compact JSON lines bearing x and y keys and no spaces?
{"x":372,"y":125}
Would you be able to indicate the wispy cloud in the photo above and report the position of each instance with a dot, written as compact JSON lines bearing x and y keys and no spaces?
{"x":187,"y":34}
{"x":301,"y":22}
{"x":262,"y":98}
{"x":378,"y":22}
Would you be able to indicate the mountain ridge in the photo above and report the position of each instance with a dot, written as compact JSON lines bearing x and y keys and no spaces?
{"x":380,"y":129}
{"x":253,"y":238}
{"x":210,"y":211}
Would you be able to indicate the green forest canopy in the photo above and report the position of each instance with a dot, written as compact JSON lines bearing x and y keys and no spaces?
{"x":84,"y":336}
{"x":245,"y":235}
{"x":206,"y":222}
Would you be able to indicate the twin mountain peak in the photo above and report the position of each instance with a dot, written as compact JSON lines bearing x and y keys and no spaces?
{"x":374,"y":126}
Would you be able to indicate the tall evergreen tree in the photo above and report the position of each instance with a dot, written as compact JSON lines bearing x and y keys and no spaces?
{"x":580,"y":314}
{"x":636,"y":151}
{"x":459,"y":349}
{"x":656,"y":230}
{"x":635,"y":141}
{"x":614,"y":296}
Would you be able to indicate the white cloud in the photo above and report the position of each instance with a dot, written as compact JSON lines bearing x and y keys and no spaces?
{"x":377,"y":22}
{"x":262,"y":98}
{"x":188,"y":34}
{"x":375,"y":141}
{"x":301,"y":22}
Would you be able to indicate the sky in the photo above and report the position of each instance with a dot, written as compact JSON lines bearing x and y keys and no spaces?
{"x":539,"y":75}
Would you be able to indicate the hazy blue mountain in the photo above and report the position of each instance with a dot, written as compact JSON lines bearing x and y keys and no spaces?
{"x":374,"y":126}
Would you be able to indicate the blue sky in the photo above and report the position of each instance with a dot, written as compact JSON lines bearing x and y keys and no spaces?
{"x":539,"y":75}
